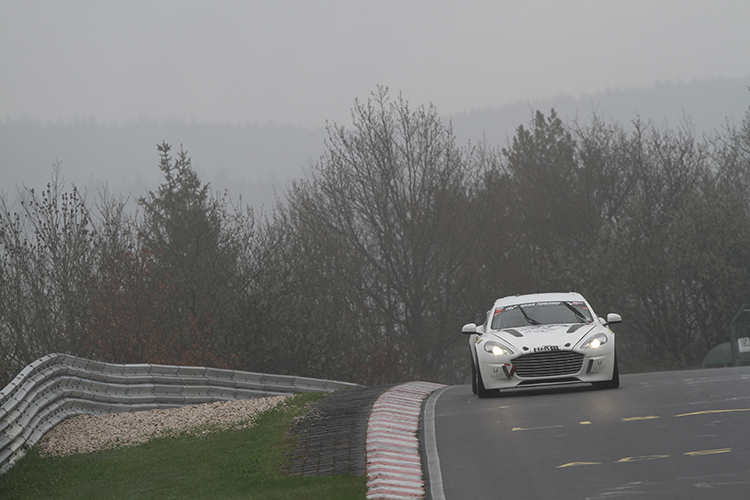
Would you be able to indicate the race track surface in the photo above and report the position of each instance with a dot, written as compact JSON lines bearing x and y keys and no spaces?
{"x":681,"y":435}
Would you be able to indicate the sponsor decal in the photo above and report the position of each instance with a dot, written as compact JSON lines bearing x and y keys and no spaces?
{"x":546,"y":348}
{"x":532,"y":304}
{"x":537,"y":304}
{"x":544,"y":329}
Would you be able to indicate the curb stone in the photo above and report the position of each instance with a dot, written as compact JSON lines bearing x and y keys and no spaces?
{"x":394,"y":466}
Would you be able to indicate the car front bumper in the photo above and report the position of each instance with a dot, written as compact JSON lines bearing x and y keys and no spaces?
{"x":562,"y":367}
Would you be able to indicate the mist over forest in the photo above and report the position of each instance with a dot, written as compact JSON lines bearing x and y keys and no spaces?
{"x":256,"y":161}
{"x":389,"y":235}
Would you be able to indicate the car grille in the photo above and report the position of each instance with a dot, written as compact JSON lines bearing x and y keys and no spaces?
{"x":548,"y":364}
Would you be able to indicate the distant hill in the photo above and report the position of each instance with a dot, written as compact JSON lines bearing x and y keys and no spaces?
{"x":707,"y":104}
{"x":258,"y":161}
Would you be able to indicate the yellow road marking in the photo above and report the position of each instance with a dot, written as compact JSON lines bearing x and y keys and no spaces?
{"x":585,"y":422}
{"x":633,"y":419}
{"x":535,"y":428}
{"x":641,"y":459}
{"x":650,"y":457}
{"x":708,"y":452}
{"x":708,"y":412}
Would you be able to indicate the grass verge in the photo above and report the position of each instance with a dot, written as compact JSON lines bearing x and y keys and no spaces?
{"x":223,"y":465}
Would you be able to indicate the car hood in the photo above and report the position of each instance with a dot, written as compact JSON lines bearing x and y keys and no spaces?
{"x":565,"y":336}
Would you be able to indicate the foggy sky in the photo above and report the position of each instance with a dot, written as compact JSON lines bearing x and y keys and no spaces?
{"x":304,"y":62}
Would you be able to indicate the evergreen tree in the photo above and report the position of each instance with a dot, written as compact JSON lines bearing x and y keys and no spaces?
{"x":185,"y":228}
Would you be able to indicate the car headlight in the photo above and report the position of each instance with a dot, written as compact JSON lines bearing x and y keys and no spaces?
{"x":496,"y":348}
{"x":595,"y":342}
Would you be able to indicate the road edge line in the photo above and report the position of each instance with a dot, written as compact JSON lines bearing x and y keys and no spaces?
{"x":432,"y":460}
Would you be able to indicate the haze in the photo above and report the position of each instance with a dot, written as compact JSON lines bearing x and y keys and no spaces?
{"x":302,"y":63}
{"x":247,"y":87}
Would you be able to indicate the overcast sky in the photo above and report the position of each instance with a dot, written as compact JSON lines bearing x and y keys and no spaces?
{"x":304,"y":62}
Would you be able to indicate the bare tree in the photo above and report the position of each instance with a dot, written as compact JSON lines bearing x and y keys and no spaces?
{"x":391,"y":195}
{"x":46,"y":244}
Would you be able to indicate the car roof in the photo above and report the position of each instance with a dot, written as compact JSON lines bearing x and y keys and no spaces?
{"x":539,"y":297}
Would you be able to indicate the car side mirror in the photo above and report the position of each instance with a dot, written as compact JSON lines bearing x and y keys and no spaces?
{"x":613,"y":318}
{"x":469,"y":329}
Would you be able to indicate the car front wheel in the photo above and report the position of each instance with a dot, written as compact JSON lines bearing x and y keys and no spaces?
{"x":481,"y":391}
{"x":614,"y":383}
{"x":473,"y":377}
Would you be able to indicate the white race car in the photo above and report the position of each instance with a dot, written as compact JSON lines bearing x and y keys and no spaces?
{"x":542,"y":339}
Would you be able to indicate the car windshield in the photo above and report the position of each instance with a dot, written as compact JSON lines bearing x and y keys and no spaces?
{"x":540,"y":313}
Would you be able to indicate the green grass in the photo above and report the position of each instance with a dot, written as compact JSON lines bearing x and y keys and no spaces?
{"x":223,"y":465}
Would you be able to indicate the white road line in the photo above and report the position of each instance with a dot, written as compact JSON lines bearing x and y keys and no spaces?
{"x":430,"y":444}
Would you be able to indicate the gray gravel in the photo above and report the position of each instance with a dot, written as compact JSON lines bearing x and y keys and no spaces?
{"x":89,"y":433}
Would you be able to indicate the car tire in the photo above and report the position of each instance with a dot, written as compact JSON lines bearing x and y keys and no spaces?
{"x":481,"y":391}
{"x":610,"y":384}
{"x":473,"y":377}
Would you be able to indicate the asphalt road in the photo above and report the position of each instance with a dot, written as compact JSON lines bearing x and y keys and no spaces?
{"x":669,"y":435}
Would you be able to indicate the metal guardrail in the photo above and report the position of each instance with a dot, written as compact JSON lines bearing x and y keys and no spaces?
{"x":58,"y":386}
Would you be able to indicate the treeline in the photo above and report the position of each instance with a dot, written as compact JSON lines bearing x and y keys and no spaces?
{"x":369,"y":266}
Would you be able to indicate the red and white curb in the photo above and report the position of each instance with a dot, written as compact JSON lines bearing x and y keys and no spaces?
{"x":394,"y":466}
